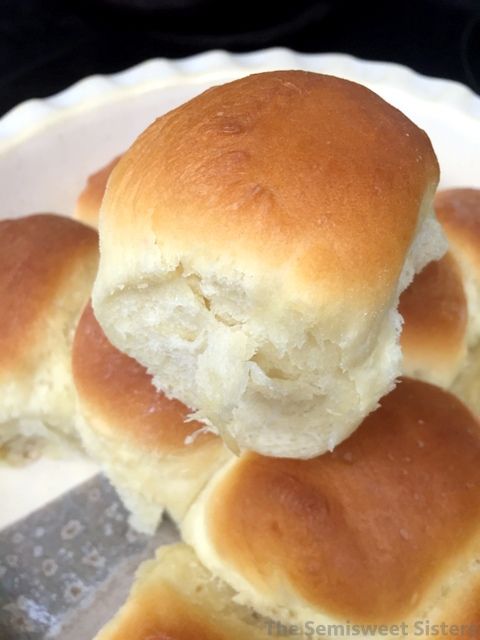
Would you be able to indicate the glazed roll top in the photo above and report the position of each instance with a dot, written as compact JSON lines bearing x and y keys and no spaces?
{"x":90,"y":199}
{"x":154,"y":457}
{"x":47,"y":267}
{"x":385,"y":529}
{"x":254,"y":243}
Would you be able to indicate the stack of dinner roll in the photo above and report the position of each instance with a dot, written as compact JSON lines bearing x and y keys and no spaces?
{"x":257,"y":247}
{"x":270,"y":265}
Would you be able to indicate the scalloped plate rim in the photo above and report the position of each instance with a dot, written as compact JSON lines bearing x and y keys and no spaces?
{"x":28,"y":117}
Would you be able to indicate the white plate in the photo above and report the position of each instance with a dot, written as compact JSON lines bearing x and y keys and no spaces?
{"x":48,"y":147}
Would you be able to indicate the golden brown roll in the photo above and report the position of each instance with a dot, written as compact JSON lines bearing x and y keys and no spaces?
{"x":458,"y":210}
{"x":152,"y":456}
{"x":386,"y":529}
{"x":90,"y":199}
{"x":175,"y":598}
{"x":441,"y":308}
{"x":254,"y":243}
{"x":47,"y":267}
{"x":435,"y":313}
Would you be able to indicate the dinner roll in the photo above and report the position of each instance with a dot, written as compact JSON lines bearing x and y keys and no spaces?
{"x":458,"y":210}
{"x":435,"y":313}
{"x":440,"y":337}
{"x":175,"y":598}
{"x":254,"y":243}
{"x":386,"y":529}
{"x":151,"y":455}
{"x":90,"y":199}
{"x":47,"y":267}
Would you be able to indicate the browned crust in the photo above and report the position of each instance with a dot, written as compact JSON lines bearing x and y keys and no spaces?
{"x":118,"y":393}
{"x":435,"y":313}
{"x":160,"y":612}
{"x":37,"y":255}
{"x":175,"y":598}
{"x":290,"y":171}
{"x":364,"y":532}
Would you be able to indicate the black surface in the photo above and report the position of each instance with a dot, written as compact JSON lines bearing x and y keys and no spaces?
{"x":45,"y":45}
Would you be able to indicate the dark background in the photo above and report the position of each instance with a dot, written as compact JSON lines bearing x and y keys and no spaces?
{"x":45,"y":45}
